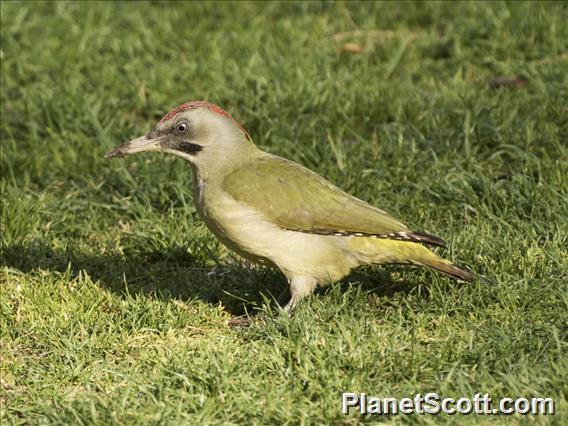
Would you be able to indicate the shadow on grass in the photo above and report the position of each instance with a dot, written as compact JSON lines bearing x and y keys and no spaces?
{"x":174,"y":274}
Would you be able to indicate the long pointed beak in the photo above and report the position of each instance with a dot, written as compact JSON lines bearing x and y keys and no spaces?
{"x":141,"y":144}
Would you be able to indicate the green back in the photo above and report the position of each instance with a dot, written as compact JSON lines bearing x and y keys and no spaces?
{"x":298,"y":199}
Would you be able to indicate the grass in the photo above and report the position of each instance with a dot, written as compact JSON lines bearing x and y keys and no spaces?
{"x":116,"y":300}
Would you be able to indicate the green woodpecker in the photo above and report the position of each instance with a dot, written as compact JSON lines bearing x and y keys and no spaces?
{"x":275,"y":212}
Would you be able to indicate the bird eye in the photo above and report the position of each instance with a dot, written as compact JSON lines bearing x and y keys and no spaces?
{"x":181,"y":127}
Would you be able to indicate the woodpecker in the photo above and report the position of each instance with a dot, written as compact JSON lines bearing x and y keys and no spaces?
{"x":277,"y":213}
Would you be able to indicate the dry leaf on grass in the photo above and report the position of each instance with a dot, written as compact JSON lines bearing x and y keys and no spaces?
{"x":507,"y":82}
{"x":350,"y":48}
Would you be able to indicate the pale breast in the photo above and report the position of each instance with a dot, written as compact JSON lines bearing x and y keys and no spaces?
{"x":250,"y":234}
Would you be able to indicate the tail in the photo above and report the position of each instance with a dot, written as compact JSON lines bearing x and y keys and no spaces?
{"x":424,"y":257}
{"x":378,"y":251}
{"x":452,"y":270}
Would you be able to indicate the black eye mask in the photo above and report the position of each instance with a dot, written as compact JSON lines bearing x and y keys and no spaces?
{"x":188,"y":147}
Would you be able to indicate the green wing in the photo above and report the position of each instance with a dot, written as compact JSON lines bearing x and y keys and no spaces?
{"x":295,"y":198}
{"x":298,"y":199}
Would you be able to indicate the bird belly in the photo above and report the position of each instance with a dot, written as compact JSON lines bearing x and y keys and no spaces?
{"x":246,"y":231}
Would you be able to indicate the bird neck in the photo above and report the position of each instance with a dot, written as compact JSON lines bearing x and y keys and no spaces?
{"x":216,"y":162}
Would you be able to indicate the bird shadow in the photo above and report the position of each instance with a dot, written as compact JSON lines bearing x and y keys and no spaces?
{"x":174,"y":274}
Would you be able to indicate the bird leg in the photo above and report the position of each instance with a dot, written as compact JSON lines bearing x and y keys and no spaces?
{"x":300,"y":287}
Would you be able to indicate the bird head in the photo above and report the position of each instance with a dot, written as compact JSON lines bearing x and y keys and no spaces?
{"x":197,"y":131}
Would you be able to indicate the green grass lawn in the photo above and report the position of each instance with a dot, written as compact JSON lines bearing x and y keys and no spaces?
{"x":116,"y":300}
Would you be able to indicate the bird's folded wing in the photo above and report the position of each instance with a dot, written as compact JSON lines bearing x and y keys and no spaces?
{"x":295,"y":198}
